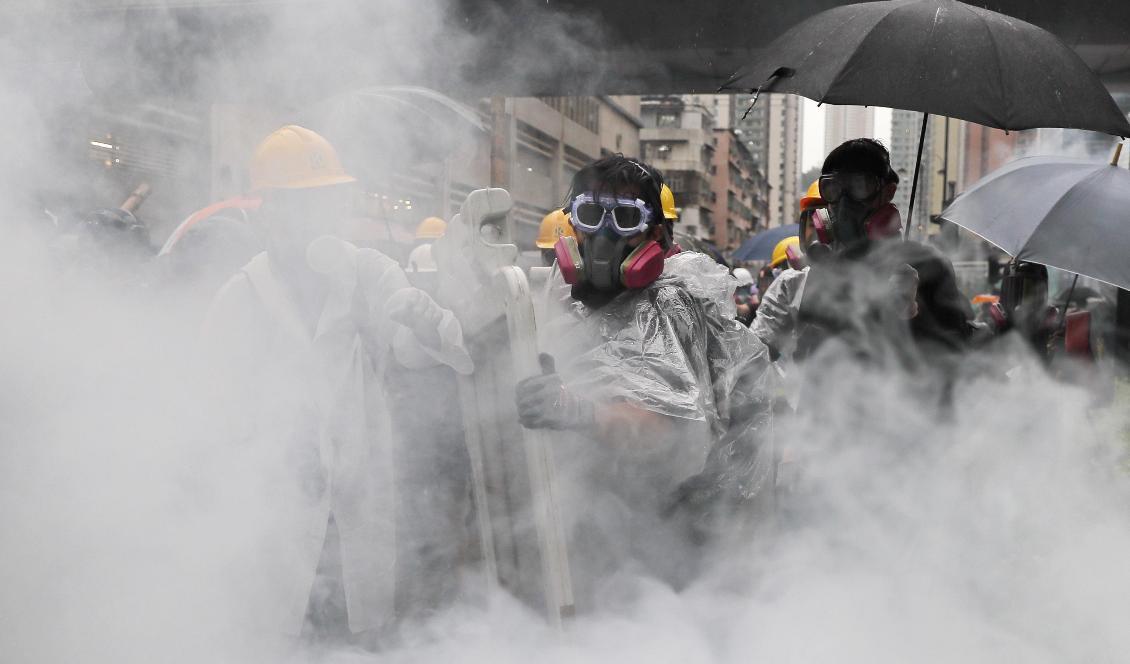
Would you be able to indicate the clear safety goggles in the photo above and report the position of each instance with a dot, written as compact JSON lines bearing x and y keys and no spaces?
{"x":859,"y":187}
{"x":627,"y":216}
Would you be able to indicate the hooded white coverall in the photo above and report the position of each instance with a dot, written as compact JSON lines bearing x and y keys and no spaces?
{"x":311,"y":395}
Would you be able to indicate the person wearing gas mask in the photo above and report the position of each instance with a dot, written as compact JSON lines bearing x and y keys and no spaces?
{"x":302,"y":337}
{"x":663,"y":387}
{"x":745,"y":297}
{"x":775,"y":323}
{"x":865,"y":283}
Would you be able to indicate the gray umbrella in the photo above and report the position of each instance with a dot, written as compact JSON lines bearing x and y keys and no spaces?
{"x":940,"y":57}
{"x":1067,"y":213}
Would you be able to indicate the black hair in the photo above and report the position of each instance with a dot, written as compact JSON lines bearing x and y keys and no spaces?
{"x":616,"y":173}
{"x":865,"y":155}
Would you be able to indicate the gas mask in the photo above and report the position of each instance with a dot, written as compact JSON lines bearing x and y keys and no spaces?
{"x":608,"y":261}
{"x":884,"y":222}
{"x":859,"y":209}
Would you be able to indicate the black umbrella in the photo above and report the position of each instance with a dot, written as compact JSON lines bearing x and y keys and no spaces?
{"x":1067,"y":213}
{"x":940,"y":57}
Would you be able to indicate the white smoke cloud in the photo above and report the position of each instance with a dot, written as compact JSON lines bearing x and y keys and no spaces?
{"x":135,"y":532}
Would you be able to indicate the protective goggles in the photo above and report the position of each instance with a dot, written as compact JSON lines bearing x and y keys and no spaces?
{"x":859,"y":187}
{"x":627,"y":216}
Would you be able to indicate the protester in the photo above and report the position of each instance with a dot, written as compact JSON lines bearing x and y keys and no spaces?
{"x":553,"y":225}
{"x":110,"y":243}
{"x":670,"y":216}
{"x":745,"y":296}
{"x":809,"y":204}
{"x":421,"y":265}
{"x":873,"y":288}
{"x":775,"y":322}
{"x":303,"y":335}
{"x":662,"y":384}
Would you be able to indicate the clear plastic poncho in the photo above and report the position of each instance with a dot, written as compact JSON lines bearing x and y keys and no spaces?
{"x":675,"y":348}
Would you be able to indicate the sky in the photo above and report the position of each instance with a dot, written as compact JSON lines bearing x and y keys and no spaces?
{"x":812,"y":128}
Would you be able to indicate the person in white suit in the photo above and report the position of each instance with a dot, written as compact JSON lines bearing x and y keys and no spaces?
{"x":302,"y":336}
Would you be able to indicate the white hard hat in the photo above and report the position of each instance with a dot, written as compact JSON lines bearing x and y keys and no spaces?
{"x":421,"y":260}
{"x":743,"y":276}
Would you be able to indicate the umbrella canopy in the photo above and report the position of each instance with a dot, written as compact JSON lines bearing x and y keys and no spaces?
{"x":760,"y":246}
{"x":1066,"y":213}
{"x":941,"y":57}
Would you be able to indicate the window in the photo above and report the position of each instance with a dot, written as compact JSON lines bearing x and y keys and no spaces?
{"x":531,"y":161}
{"x":667,"y":119}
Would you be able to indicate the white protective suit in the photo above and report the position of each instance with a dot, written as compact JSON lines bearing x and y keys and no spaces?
{"x":310,"y":394}
{"x":776,"y":320}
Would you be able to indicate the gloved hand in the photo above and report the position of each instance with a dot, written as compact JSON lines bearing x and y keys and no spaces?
{"x":416,"y":310}
{"x":545,"y":403}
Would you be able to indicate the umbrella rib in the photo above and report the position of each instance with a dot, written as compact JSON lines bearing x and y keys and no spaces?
{"x":1060,"y":202}
{"x":1007,"y":99}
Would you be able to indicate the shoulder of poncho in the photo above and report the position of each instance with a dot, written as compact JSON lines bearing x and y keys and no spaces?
{"x":699,"y":276}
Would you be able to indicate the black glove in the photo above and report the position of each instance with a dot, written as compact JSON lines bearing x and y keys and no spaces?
{"x":544,"y":403}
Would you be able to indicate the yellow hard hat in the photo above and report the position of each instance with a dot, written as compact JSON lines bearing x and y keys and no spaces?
{"x":555,"y":224}
{"x":811,"y":198}
{"x":781,"y":251}
{"x":667,"y":197}
{"x":296,"y":158}
{"x":431,"y":228}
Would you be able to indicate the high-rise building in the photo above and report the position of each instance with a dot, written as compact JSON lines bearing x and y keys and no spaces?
{"x":941,"y":174}
{"x":905,"y":128}
{"x":842,"y":123}
{"x":771,"y":131}
{"x":678,"y":138}
{"x":740,"y":191}
{"x":986,"y":150}
{"x":752,"y":125}
{"x":783,"y":166}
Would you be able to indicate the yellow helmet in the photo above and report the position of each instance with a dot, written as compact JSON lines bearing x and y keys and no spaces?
{"x":555,"y":224}
{"x":296,"y":158}
{"x":781,"y":251}
{"x":667,"y":197}
{"x":431,"y":228}
{"x":811,"y":198}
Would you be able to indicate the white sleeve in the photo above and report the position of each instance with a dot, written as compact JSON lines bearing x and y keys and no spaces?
{"x":775,"y":322}
{"x":382,"y":280}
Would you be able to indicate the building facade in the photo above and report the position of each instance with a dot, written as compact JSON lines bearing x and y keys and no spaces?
{"x":771,"y":131}
{"x":986,"y":150}
{"x":941,"y":175}
{"x":842,"y":123}
{"x":740,"y":191}
{"x":783,"y":166}
{"x":543,"y":142}
{"x":678,"y":138}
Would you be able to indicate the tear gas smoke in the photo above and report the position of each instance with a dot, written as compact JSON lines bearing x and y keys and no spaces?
{"x":138,"y":529}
